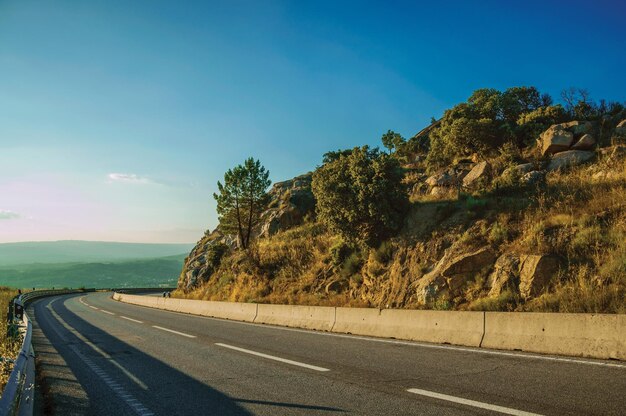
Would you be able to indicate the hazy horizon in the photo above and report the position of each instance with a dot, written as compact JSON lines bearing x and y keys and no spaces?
{"x":118,"y":119}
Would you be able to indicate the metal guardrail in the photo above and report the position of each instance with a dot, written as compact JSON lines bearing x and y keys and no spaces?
{"x":19,"y":394}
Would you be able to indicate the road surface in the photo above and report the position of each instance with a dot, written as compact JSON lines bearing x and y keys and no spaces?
{"x":97,"y":356}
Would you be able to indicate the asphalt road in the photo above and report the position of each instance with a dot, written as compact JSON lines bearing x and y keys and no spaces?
{"x":97,"y":356}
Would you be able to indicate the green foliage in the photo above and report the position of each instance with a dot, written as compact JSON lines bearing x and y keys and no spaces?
{"x":214,"y":256}
{"x":351,"y":265}
{"x":339,"y":252}
{"x":498,"y":234}
{"x":392,"y":140}
{"x":335,"y":155}
{"x":485,"y":122}
{"x":533,"y":123}
{"x":361,"y":196}
{"x":383,"y":253}
{"x":242,"y":199}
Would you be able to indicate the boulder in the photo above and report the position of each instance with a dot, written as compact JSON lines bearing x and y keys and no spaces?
{"x":534,"y":177}
{"x":535,"y":274}
{"x":505,"y":274}
{"x":556,"y":139}
{"x":430,"y":287}
{"x":451,"y":273}
{"x":441,"y":179}
{"x":524,"y":168}
{"x":479,"y":171}
{"x":586,"y":142}
{"x":290,"y":202}
{"x":569,"y":158}
{"x":468,"y":263}
{"x":578,"y":128}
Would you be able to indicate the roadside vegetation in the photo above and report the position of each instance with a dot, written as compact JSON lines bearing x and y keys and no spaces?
{"x":9,"y":347}
{"x":475,"y":212}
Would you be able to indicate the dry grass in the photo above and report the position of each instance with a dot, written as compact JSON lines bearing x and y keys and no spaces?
{"x":574,"y":216}
{"x":9,"y":348}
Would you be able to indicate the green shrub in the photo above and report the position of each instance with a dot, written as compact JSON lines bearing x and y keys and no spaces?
{"x":361,"y":196}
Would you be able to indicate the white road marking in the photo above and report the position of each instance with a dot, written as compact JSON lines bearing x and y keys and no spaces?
{"x":133,"y":403}
{"x":418,"y":344}
{"x":110,"y":313}
{"x":93,"y":307}
{"x":473,"y":403}
{"x":131,"y":319}
{"x":94,"y":347}
{"x":173,"y":332}
{"x":271,"y":357}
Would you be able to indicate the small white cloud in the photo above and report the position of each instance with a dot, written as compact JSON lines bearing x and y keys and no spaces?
{"x":8,"y":215}
{"x":128,"y":178}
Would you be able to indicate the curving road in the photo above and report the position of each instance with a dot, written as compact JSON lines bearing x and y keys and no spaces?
{"x":97,"y":356}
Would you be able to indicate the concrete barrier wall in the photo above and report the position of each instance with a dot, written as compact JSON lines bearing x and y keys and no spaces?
{"x":460,"y":328}
{"x":320,"y":318}
{"x":586,"y":335}
{"x":225,"y":310}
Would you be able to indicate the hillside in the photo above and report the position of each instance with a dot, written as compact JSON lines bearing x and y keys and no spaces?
{"x":83,"y":251}
{"x":514,"y":204}
{"x":154,"y":272}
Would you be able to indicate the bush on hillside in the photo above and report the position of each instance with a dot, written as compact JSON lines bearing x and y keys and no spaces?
{"x":361,"y":195}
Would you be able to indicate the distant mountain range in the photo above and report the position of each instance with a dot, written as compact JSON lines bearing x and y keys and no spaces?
{"x":73,"y":251}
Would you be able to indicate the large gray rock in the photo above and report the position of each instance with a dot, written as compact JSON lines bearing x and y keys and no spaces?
{"x":505,"y":275}
{"x":556,"y":139}
{"x":535,"y":274}
{"x":533,"y":178}
{"x":481,"y":170}
{"x":586,"y":142}
{"x":291,"y":202}
{"x":452,"y":272}
{"x":569,"y":159}
{"x":441,"y":179}
{"x":578,"y":128}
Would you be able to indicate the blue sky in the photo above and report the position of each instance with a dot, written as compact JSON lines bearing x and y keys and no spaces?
{"x":117,"y":118}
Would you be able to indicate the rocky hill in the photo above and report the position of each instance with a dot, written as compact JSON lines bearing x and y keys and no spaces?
{"x":539,"y":227}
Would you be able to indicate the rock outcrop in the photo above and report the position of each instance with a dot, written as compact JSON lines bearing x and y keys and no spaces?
{"x":480,"y":171}
{"x":586,"y":142}
{"x":291,"y":202}
{"x":505,"y":275}
{"x":452,"y":272}
{"x":569,"y":158}
{"x":536,"y":271}
{"x":560,"y":137}
{"x":555,"y":140}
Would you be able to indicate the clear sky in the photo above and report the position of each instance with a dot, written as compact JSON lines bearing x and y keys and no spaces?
{"x":117,"y":118}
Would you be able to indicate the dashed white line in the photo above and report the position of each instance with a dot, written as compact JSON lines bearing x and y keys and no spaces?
{"x":271,"y":357}
{"x":110,"y":313}
{"x":131,"y":319}
{"x":173,"y":332}
{"x":472,"y":403}
{"x":93,"y":307}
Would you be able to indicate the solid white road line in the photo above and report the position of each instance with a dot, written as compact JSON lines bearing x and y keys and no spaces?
{"x":271,"y":357}
{"x":110,"y":313}
{"x":173,"y":332}
{"x":473,"y":403}
{"x":92,"y":345}
{"x":131,"y":319}
{"x":421,"y":344}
